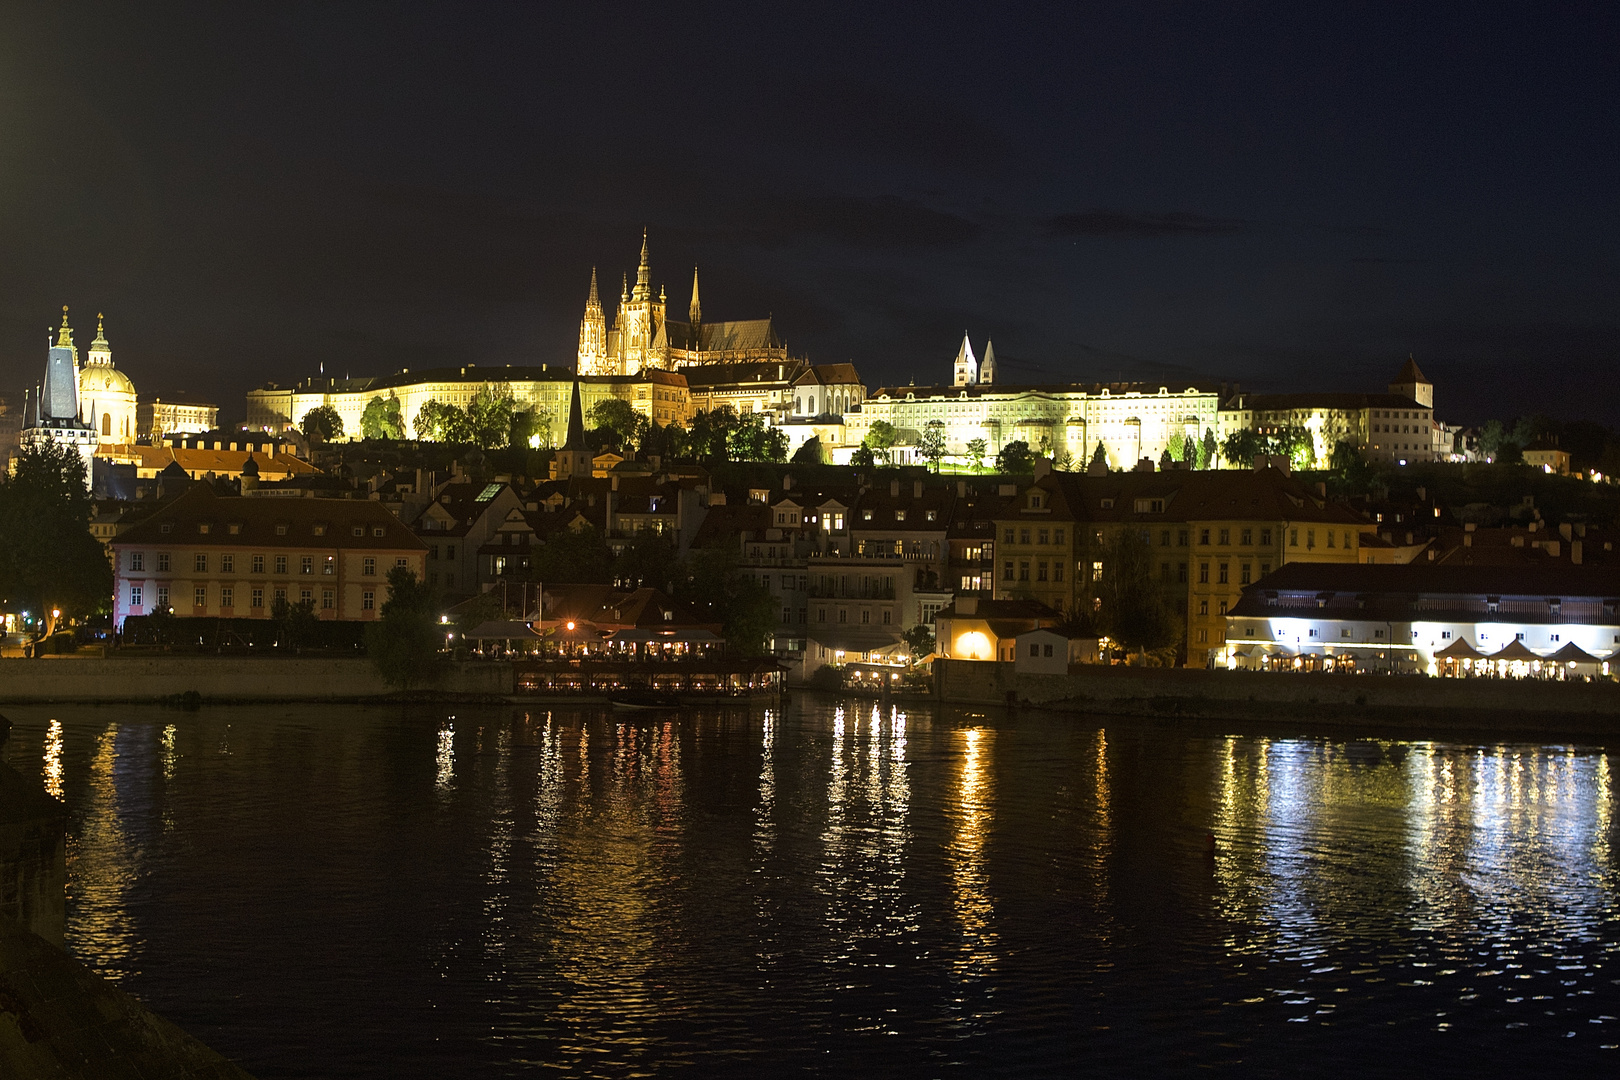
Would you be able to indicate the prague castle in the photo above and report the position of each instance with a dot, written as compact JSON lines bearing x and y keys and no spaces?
{"x":644,"y":337}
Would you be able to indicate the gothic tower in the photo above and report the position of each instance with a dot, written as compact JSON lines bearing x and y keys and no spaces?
{"x":987,"y":366}
{"x":1411,"y":382}
{"x":967,"y":366}
{"x":695,"y":312}
{"x":593,"y":357}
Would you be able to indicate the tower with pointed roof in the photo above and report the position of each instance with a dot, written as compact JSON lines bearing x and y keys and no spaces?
{"x":643,"y":336}
{"x":56,"y":414}
{"x":987,"y":366}
{"x":574,"y":459}
{"x":592,"y":335}
{"x":1412,"y":383}
{"x":967,"y":366}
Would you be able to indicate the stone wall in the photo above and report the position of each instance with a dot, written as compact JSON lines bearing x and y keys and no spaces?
{"x":150,"y":678}
{"x":1388,"y":701}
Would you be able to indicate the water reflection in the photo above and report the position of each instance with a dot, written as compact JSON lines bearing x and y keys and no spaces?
{"x":105,"y":865}
{"x":53,"y":759}
{"x":970,"y":815}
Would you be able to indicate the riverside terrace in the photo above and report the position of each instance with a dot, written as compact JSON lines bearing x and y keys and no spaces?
{"x":593,"y":640}
{"x":1553,"y":621}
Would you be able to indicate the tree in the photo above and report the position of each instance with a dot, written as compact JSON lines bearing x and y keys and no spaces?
{"x":1015,"y":458}
{"x":746,"y":609}
{"x":1166,"y":462}
{"x":863,"y":457}
{"x":811,"y":453}
{"x":489,"y":418}
{"x":1352,"y":474}
{"x":977,"y":450}
{"x":49,"y":561}
{"x":382,"y":419}
{"x":573,"y":557}
{"x":1135,"y":610}
{"x":322,"y":424}
{"x":920,"y":640}
{"x":531,"y":429}
{"x":1206,"y":451}
{"x":295,"y":623}
{"x":881,"y":437}
{"x":619,"y":417}
{"x":931,"y":447}
{"x":647,"y":561}
{"x":750,"y":440}
{"x":1240,"y":448}
{"x":1189,"y":452}
{"x":1511,"y":453}
{"x":405,"y":640}
{"x":438,"y":422}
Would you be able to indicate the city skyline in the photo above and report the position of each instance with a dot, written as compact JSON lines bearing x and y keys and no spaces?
{"x":1291,"y":203}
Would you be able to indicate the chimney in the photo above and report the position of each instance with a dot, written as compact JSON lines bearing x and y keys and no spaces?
{"x":1043,"y":468}
{"x":894,"y":489}
{"x":1321,"y":489}
{"x":787,"y":482}
{"x":961,"y":489}
{"x":1575,"y":552}
{"x":916,"y":491}
{"x":1567,"y":531}
{"x":967,"y":605}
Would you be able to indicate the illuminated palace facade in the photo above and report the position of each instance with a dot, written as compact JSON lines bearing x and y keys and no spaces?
{"x":643,"y":336}
{"x":1131,"y":421}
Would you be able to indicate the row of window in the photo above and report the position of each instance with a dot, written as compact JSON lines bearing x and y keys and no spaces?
{"x":1042,"y":536}
{"x":227,"y":597}
{"x":1044,"y":571}
{"x":843,"y":616}
{"x":256,"y":564}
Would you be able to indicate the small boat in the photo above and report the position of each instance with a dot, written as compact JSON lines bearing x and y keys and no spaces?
{"x":643,"y":700}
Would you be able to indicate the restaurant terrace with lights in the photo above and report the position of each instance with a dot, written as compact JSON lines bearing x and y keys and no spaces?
{"x":595,"y":640}
{"x":1450,"y":621}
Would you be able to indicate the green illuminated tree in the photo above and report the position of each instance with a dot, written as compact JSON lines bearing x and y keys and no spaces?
{"x":322,"y":424}
{"x":48,"y":558}
{"x":931,"y":448}
{"x":1206,"y":451}
{"x":382,"y":419}
{"x":880,"y":438}
{"x":977,"y":450}
{"x":621,"y":418}
{"x":405,"y":640}
{"x":489,"y":418}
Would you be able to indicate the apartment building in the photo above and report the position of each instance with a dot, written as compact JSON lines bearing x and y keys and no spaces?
{"x":231,"y":557}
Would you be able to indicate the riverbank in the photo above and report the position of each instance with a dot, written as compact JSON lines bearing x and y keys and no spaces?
{"x":1365,"y":701}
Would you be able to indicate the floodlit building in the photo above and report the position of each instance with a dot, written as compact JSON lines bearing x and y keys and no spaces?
{"x":978,"y":629}
{"x":177,"y":414}
{"x":57,"y":415}
{"x":1546,"y":621}
{"x":229,"y":557}
{"x":642,"y":335}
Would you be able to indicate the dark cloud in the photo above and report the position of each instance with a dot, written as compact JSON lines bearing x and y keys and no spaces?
{"x":1116,"y":223}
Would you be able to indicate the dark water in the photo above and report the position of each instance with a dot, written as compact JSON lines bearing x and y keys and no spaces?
{"x":836,"y":890}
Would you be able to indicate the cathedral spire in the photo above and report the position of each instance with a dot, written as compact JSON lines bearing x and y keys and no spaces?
{"x":576,"y":422}
{"x":696,"y":310}
{"x":643,"y":273}
{"x":64,"y":336}
{"x":987,"y":366}
{"x":593,"y":305}
{"x":624,"y":289}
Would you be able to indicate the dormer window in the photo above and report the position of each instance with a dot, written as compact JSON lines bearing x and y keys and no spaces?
{"x":1107,"y":504}
{"x":899,"y":515}
{"x":281,"y":530}
{"x":204,"y":528}
{"x":866,"y":515}
{"x":320,"y":530}
{"x":234,"y":529}
{"x":359,"y":530}
{"x":1035,"y":501}
{"x":932,"y":514}
{"x":378,"y":530}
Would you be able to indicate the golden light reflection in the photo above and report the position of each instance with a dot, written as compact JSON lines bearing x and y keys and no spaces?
{"x":170,"y":755}
{"x":103,"y":867}
{"x":445,"y":758}
{"x":971,"y":820}
{"x":53,"y":759}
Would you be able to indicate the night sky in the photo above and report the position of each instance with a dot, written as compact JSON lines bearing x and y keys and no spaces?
{"x":1286,"y":196}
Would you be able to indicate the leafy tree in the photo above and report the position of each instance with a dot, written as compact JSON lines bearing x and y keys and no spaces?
{"x":746,"y":609}
{"x":863,"y":457}
{"x":619,"y":417}
{"x":977,"y":450}
{"x":881,"y":437}
{"x":573,"y":557}
{"x":931,"y":447}
{"x":439,"y":422}
{"x":1206,"y":450}
{"x":322,"y":424}
{"x":1166,"y":462}
{"x":405,"y":640}
{"x":1189,"y":452}
{"x":295,"y":623}
{"x":1099,"y":458}
{"x":811,"y":453}
{"x":1015,"y":458}
{"x":1352,"y":474}
{"x":48,"y":558}
{"x":531,"y":428}
{"x":489,"y":418}
{"x":1490,"y":438}
{"x":750,"y":440}
{"x":1135,"y":610}
{"x":919,"y":639}
{"x":1241,"y":448}
{"x":1511,"y":453}
{"x":382,"y":419}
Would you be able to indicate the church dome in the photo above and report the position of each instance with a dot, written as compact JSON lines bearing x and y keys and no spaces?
{"x":102,"y":379}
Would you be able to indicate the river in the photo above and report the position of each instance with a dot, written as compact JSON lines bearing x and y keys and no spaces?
{"x":835,"y":889}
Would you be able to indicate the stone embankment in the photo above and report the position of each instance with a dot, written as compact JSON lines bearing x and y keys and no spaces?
{"x":228,"y":679}
{"x":1383,"y":701}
